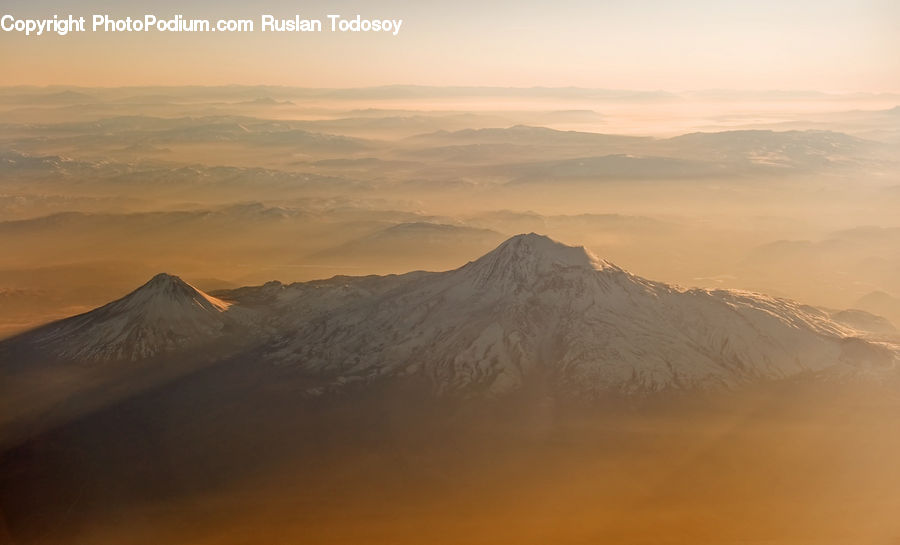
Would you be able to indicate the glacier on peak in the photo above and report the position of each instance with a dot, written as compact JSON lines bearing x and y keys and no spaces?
{"x":531,"y":248}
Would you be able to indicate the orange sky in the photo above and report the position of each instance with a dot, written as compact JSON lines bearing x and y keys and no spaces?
{"x":836,"y":46}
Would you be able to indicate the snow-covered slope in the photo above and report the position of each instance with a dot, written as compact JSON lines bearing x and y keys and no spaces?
{"x":532,"y":312}
{"x":164,"y":315}
{"x":535,"y":309}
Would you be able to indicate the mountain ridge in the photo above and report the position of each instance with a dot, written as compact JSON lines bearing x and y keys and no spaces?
{"x":530,"y":307}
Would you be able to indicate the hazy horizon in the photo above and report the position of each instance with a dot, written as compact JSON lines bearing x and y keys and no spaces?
{"x":835,"y":46}
{"x":648,"y":176}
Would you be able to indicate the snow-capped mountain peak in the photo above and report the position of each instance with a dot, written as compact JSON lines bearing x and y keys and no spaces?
{"x":536,"y":307}
{"x":161,"y":316}
{"x":531,"y":309}
{"x":168,"y":295}
{"x":527,"y":257}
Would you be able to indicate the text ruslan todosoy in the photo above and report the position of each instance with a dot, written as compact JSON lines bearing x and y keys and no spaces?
{"x":178,"y":23}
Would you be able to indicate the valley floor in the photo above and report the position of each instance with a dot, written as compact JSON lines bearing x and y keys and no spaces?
{"x":788,"y":465}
